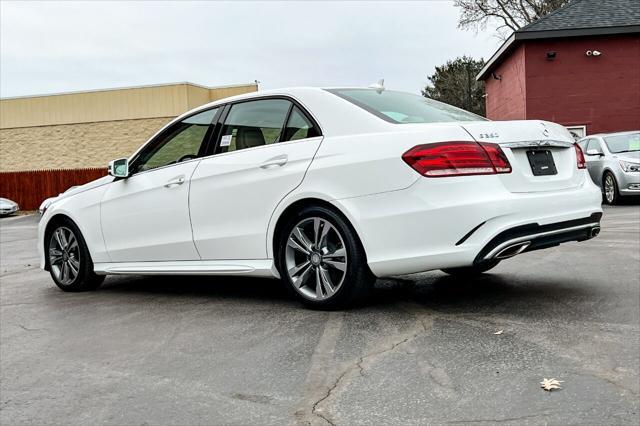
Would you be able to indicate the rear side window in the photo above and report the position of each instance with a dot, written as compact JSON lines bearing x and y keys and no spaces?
{"x":401,"y":108}
{"x":299,"y":127}
{"x":254,"y":123}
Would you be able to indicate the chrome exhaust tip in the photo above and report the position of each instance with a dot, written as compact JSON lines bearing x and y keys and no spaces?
{"x":512,"y":250}
{"x":593,"y":232}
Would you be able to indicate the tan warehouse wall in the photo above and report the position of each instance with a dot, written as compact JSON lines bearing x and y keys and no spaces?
{"x":111,"y":105}
{"x":73,"y":146}
{"x":87,"y":129}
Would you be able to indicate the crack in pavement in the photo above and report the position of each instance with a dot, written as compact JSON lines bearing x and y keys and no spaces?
{"x":20,"y":304}
{"x":320,"y":368}
{"x":366,"y":361}
{"x":507,"y":419}
{"x":30,"y":329}
{"x":319,"y":411}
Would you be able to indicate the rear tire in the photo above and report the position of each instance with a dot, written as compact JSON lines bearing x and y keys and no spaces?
{"x":70,"y":263}
{"x":610,"y":193}
{"x":471,"y":271}
{"x":322,"y":261}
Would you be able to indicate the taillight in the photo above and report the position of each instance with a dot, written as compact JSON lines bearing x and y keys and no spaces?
{"x":497,"y":157}
{"x":579,"y":157}
{"x":457,"y":159}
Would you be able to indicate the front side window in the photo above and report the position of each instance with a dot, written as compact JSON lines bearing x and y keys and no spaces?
{"x":180,"y":142}
{"x":623,"y":143}
{"x":253,"y":123}
{"x":594,"y":144}
{"x":401,"y":108}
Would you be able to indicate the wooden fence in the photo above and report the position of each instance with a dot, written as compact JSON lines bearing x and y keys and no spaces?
{"x":30,"y":188}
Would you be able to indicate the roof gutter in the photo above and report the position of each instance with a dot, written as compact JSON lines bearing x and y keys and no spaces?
{"x":518,"y":36}
{"x":484,"y":72}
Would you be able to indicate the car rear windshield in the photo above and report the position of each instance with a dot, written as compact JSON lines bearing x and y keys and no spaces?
{"x":623,"y":143}
{"x":402,"y":108}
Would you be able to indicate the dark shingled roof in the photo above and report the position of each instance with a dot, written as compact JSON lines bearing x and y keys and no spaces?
{"x":589,"y":14}
{"x":577,"y":18}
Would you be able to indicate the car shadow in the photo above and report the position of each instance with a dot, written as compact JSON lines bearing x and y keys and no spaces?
{"x":431,"y":291}
{"x":629,"y":200}
{"x":222,"y":287}
{"x":489,"y":291}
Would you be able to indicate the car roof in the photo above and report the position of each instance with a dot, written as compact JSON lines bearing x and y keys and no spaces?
{"x":297,"y":92}
{"x":626,"y":132}
{"x":327,"y":109}
{"x":294,"y":92}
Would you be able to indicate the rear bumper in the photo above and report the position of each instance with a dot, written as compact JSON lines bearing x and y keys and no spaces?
{"x":447,"y":223}
{"x":530,"y":237}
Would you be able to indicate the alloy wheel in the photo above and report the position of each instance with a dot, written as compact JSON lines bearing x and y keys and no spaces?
{"x":609,"y":189}
{"x":316,"y":258}
{"x":64,"y":255}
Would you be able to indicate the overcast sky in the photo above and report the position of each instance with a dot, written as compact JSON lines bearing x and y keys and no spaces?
{"x":55,"y":47}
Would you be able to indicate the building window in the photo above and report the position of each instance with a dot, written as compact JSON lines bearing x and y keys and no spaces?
{"x":578,"y":132}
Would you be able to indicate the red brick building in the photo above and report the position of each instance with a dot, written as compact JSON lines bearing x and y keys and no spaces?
{"x":578,"y":66}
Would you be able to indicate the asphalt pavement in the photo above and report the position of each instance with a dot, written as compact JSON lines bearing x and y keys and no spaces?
{"x":423,"y":350}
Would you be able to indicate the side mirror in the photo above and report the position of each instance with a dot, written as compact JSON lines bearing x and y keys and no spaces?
{"x":594,"y":152}
{"x":119,"y":168}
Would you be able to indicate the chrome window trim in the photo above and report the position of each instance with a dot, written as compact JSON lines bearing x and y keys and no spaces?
{"x":222,"y":103}
{"x":253,"y":148}
{"x":295,"y":102}
{"x":206,"y":157}
{"x":160,"y":168}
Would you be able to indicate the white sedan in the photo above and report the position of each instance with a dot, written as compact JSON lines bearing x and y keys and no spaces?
{"x":327,"y":189}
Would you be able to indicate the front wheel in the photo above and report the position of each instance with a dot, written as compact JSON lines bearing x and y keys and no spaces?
{"x":70,"y":263}
{"x":322,"y":261}
{"x":470,"y":271}
{"x":610,"y":188}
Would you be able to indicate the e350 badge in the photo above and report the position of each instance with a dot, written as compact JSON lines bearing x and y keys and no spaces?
{"x":491,"y":135}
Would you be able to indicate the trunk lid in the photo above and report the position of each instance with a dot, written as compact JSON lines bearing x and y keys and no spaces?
{"x":517,"y":138}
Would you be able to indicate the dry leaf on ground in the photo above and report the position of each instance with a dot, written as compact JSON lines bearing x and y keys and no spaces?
{"x":550,"y":384}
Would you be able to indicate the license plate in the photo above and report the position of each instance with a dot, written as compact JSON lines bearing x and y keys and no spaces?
{"x":542,"y":163}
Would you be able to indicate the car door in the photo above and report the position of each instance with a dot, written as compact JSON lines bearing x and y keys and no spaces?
{"x":145,"y":217}
{"x":594,"y":161}
{"x":258,"y":160}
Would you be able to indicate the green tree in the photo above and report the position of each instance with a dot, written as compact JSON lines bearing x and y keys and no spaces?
{"x":455,"y":83}
{"x":507,"y":15}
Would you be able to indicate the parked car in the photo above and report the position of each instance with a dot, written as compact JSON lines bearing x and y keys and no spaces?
{"x":8,"y":207}
{"x":327,"y":189}
{"x":613,"y":161}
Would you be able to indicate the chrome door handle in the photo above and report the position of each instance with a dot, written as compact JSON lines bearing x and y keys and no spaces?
{"x":275,"y":162}
{"x":174,"y":182}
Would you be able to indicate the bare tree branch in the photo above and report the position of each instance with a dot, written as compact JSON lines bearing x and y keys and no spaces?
{"x":512,"y":14}
{"x":523,"y":10}
{"x":505,"y":11}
